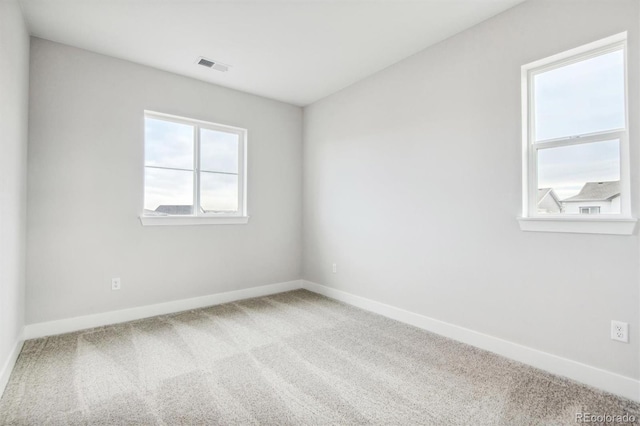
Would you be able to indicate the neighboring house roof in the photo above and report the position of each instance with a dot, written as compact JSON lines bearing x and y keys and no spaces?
{"x":169,"y":209}
{"x":597,"y":191}
{"x":543,"y":192}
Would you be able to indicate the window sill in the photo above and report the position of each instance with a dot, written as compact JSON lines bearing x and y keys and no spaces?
{"x":578,"y":225}
{"x":193,"y":220}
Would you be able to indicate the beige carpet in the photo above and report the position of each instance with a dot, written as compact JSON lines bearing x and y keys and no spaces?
{"x":293,"y":358}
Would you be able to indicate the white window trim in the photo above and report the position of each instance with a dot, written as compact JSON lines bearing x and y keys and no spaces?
{"x":585,"y":224}
{"x":192,"y":220}
{"x":199,"y":218}
{"x":618,"y":224}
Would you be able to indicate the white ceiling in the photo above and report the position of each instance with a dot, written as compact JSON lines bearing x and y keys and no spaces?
{"x":294,"y":51}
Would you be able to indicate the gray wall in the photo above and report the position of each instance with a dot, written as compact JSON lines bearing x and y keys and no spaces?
{"x":85,"y":189}
{"x":14,"y":79}
{"x":412,"y":185}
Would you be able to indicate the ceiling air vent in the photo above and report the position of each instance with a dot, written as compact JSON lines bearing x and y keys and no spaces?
{"x":218,"y":66}
{"x":206,"y":63}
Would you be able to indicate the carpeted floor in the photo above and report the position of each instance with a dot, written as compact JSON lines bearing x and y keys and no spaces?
{"x":292,"y":358}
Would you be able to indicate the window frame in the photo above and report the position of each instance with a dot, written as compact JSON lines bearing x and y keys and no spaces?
{"x":197,"y":217}
{"x":530,"y":219}
{"x":589,"y":209}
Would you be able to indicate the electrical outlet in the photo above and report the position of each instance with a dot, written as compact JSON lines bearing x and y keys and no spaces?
{"x":115,"y":283}
{"x":335,"y":268}
{"x":620,"y":331}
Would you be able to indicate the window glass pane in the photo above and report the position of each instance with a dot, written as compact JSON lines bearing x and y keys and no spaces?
{"x":577,"y":176}
{"x":218,"y":192}
{"x":168,"y":192}
{"x":168,"y":144}
{"x":584,"y":97}
{"x":218,"y":151}
{"x":589,"y":210}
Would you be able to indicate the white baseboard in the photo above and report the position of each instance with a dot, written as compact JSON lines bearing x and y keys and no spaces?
{"x":51,"y":328}
{"x":583,"y":373}
{"x":7,"y":368}
{"x":605,"y":380}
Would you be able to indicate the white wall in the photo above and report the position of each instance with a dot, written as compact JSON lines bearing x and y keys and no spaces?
{"x":14,"y":79}
{"x":412,"y":182}
{"x":573,"y":207}
{"x":86,"y":189}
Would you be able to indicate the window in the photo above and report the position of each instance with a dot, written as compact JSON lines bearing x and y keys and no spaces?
{"x":194,"y":172}
{"x":575,"y":138}
{"x":589,"y":210}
